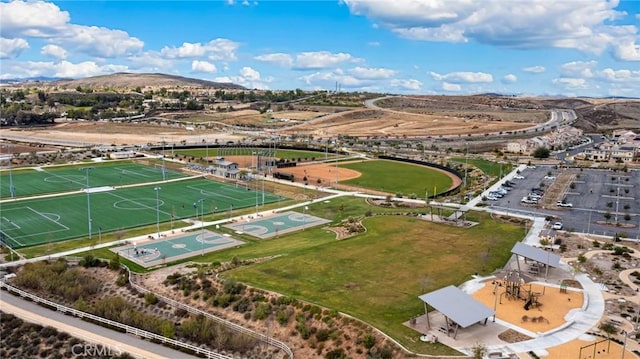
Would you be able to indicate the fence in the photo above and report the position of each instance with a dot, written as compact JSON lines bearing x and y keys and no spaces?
{"x":235,"y":327}
{"x":106,"y":322}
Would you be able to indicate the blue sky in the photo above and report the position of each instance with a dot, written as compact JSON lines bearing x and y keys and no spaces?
{"x":529,"y":47}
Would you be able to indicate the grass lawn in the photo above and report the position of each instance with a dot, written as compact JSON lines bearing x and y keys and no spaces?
{"x":398,"y":177}
{"x":490,"y":168}
{"x":378,"y":275}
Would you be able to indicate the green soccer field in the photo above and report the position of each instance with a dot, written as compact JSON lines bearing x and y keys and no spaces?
{"x":43,"y":220}
{"x":73,"y":178}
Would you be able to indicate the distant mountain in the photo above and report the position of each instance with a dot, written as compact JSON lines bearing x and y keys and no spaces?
{"x":32,"y":79}
{"x":124,"y":80}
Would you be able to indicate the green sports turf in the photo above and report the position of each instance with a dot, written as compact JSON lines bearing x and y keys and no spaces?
{"x":43,"y":220}
{"x":398,"y":177}
{"x":65,"y":179}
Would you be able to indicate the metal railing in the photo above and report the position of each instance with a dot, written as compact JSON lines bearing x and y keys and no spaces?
{"x":232,"y":326}
{"x":127,"y":328}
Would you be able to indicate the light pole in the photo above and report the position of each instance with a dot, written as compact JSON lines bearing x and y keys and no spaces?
{"x":164,"y":168}
{"x":12,"y":190}
{"x":86,"y":170}
{"x":201,"y":201}
{"x":617,"y":199}
{"x":157,"y":189}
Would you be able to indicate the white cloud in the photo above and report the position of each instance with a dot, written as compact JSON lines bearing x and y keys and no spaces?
{"x":628,"y":51}
{"x":150,"y":61}
{"x":451,"y":87}
{"x":249,"y":78}
{"x":222,"y":49}
{"x":329,"y":79}
{"x":578,"y":69}
{"x":278,"y":58}
{"x":408,"y":84}
{"x":250,"y":74}
{"x":186,"y":50}
{"x":203,"y":66}
{"x":11,"y":48}
{"x":571,"y":83}
{"x":534,"y":69}
{"x":321,"y":60}
{"x":372,"y":73}
{"x":462,"y":77}
{"x":63,"y":69}
{"x":101,"y":42}
{"x":585,"y":25}
{"x":31,"y":18}
{"x":217,"y":49}
{"x":509,"y":79}
{"x":46,"y":20}
{"x":623,"y":75}
{"x":373,"y":43}
{"x":54,"y":51}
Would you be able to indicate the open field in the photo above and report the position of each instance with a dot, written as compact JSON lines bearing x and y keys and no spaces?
{"x":51,"y":219}
{"x":382,"y":123}
{"x":377,"y":276}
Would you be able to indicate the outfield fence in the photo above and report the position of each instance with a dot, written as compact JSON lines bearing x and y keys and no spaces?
{"x":110,"y":323}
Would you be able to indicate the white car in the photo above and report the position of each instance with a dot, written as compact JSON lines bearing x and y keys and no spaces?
{"x":518,"y":177}
{"x":549,"y":177}
{"x":564,"y":204}
{"x":557,"y":226}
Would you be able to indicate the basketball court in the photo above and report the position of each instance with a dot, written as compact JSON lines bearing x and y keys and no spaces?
{"x":272,"y":226}
{"x":186,"y":245}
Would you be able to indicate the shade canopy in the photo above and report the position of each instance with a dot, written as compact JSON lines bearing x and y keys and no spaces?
{"x":536,"y":254}
{"x":457,"y":305}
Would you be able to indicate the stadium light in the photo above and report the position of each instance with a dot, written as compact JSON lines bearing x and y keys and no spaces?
{"x":201,"y":200}
{"x":157,"y":189}
{"x":86,"y":170}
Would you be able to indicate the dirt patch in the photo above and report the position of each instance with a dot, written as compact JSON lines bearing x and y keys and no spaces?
{"x":512,"y":336}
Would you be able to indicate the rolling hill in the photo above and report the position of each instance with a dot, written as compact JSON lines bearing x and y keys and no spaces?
{"x":124,"y":80}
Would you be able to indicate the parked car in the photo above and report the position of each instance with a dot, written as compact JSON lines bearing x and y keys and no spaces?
{"x":549,"y":177}
{"x":564,"y":204}
{"x":518,"y":177}
{"x":557,"y":226}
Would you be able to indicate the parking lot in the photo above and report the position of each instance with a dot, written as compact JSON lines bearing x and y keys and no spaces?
{"x":600,"y":198}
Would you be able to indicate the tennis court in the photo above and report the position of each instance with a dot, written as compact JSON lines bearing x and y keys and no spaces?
{"x":73,"y":178}
{"x":186,"y":245}
{"x":277,"y":224}
{"x":50,"y":219}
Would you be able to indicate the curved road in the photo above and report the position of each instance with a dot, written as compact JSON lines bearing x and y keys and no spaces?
{"x":102,"y":338}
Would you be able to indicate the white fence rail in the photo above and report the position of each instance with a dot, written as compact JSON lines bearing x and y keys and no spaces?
{"x":128,"y":329}
{"x":232,"y":326}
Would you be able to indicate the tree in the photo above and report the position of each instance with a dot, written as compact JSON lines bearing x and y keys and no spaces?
{"x":478,"y":351}
{"x":541,"y":152}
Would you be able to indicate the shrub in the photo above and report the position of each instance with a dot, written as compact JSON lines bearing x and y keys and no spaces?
{"x":150,"y":299}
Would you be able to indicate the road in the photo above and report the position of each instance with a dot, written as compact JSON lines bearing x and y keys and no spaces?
{"x":112,"y":341}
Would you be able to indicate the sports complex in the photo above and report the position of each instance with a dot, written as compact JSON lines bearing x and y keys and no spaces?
{"x":394,"y":258}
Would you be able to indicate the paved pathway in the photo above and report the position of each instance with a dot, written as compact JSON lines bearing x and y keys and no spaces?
{"x":100,"y":338}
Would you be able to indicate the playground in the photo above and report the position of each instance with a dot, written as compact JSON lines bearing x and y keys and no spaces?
{"x":154,"y":252}
{"x":275,"y":225}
